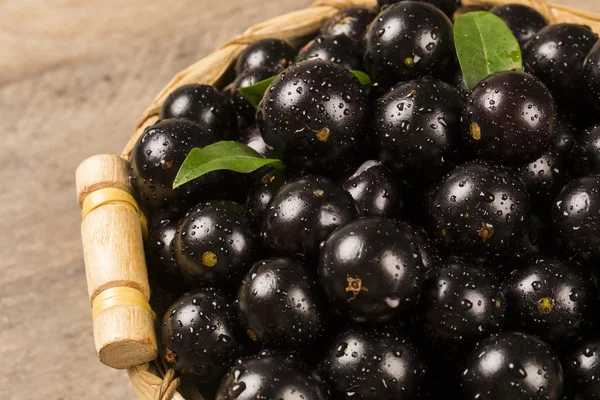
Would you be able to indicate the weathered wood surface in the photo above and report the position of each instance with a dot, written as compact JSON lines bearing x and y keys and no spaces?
{"x":75,"y":76}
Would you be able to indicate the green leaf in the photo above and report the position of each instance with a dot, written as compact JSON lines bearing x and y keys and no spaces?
{"x":232,"y":156}
{"x":363,"y":78}
{"x":255,"y":93}
{"x":484,"y":45}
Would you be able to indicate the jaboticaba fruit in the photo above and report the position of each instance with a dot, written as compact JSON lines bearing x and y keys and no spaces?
{"x":162,"y":264}
{"x":416,"y":128}
{"x":556,"y":55}
{"x":461,"y":302}
{"x":262,"y":192}
{"x":201,"y":336}
{"x":245,"y":110}
{"x":585,"y":155}
{"x":280,"y":304}
{"x":576,"y":218}
{"x":371,"y":270}
{"x":272,"y":54}
{"x":374,"y":363}
{"x":582,"y":370}
{"x":409,"y":40}
{"x":315,"y":117}
{"x":339,"y":49}
{"x":447,"y":6}
{"x":591,"y":79}
{"x":505,"y":366}
{"x":216,"y":243}
{"x":480,"y":208}
{"x":352,"y":22}
{"x":523,"y":21}
{"x":270,"y":376}
{"x":544,"y":177}
{"x":375,"y":190}
{"x":303,"y":213}
{"x":509,"y":117}
{"x":552,"y":299}
{"x":156,"y":158}
{"x":202,"y":104}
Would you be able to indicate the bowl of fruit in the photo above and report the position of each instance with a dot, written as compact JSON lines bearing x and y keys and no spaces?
{"x":361,"y":200}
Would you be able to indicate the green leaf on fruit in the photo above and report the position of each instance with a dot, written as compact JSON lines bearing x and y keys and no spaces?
{"x":484,"y":45}
{"x":363,"y":78}
{"x":254,"y":93}
{"x":224,"y":155}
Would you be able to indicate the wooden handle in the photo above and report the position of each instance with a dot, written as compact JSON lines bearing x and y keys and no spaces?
{"x":113,"y":249}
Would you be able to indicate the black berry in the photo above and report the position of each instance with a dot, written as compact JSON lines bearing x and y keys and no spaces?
{"x":339,"y":49}
{"x":273,"y":54}
{"x":523,"y":21}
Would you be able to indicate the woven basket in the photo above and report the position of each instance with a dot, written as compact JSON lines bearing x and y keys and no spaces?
{"x":152,"y":381}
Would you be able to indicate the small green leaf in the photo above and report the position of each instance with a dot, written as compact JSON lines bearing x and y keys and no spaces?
{"x":484,"y":45}
{"x":232,"y":156}
{"x":255,"y":93}
{"x":363,"y":78}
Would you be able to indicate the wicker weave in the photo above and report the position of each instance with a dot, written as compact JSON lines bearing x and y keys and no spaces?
{"x":152,"y":381}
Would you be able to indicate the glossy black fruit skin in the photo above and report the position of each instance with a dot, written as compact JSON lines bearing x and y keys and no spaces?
{"x":160,"y":255}
{"x":460,"y":302}
{"x":523,"y":21}
{"x":303,"y":213}
{"x":352,"y":22}
{"x":582,"y":370}
{"x":245,"y":110}
{"x":216,"y":243}
{"x":556,"y":55}
{"x":374,"y":363}
{"x":576,"y":218}
{"x":505,"y":366}
{"x":591,"y":78}
{"x":585,"y":155}
{"x":509,"y":117}
{"x":417,"y":130}
{"x":201,"y":336}
{"x":280,"y":304}
{"x":552,"y":299}
{"x":339,"y":49}
{"x":409,"y":40}
{"x":314,"y":115}
{"x":371,"y":270}
{"x":447,"y":6}
{"x":564,"y":138}
{"x":480,"y":208}
{"x":270,"y":376}
{"x":375,"y":190}
{"x":429,"y":254}
{"x":262,"y":192}
{"x":202,"y":104}
{"x":156,"y":158}
{"x":273,"y":54}
{"x":544,"y":178}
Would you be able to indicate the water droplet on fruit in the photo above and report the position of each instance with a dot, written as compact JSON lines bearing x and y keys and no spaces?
{"x":537,"y":285}
{"x":516,"y":370}
{"x":466,"y":304}
{"x":237,"y":389}
{"x":341,"y":349}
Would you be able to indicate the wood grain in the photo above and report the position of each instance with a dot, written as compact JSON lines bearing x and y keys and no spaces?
{"x":75,"y":75}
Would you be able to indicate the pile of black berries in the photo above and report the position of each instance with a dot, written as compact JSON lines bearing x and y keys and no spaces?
{"x":424,"y":241}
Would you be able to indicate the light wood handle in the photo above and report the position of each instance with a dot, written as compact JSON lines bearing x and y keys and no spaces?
{"x":115,"y":265}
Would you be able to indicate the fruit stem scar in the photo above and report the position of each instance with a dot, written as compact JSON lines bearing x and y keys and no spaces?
{"x":319,"y":192}
{"x":355,"y":286}
{"x":252,"y":335}
{"x":475,"y":131}
{"x":209,"y":259}
{"x":486,"y":231}
{"x":322,"y":134}
{"x":409,"y":62}
{"x":545,"y":305}
{"x":170,"y":356}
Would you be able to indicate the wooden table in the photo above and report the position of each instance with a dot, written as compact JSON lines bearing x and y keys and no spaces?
{"x":75,"y":76}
